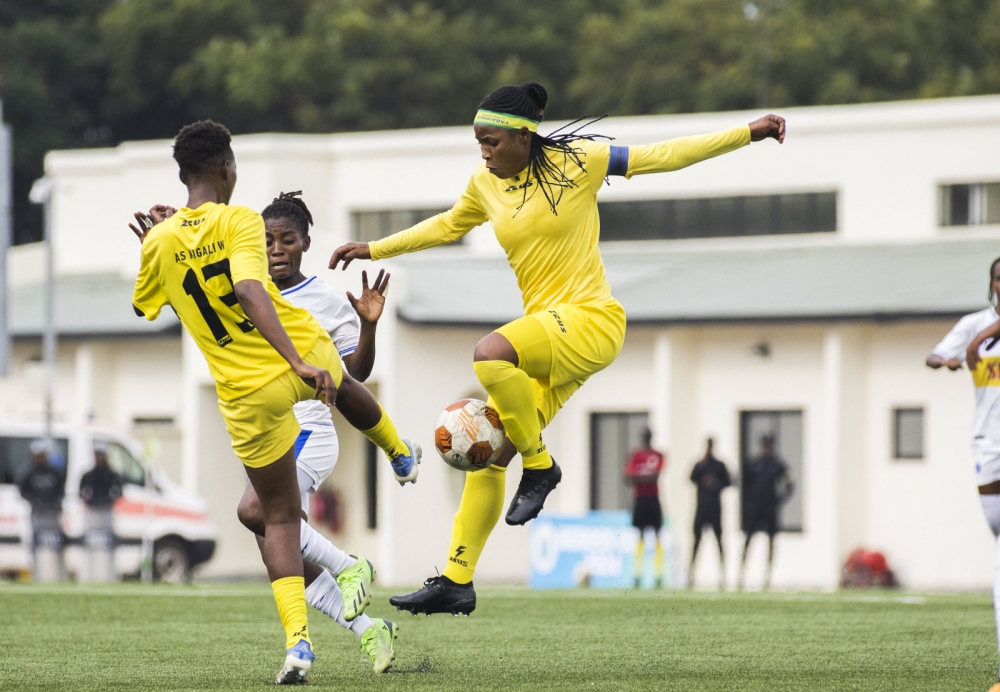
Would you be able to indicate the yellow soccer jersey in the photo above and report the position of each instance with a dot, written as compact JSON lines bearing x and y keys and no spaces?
{"x":554,"y":256}
{"x":191,"y":262}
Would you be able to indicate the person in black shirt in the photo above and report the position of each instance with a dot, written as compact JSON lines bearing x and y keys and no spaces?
{"x":766,"y":486}
{"x":43,"y":487}
{"x":100,"y":486}
{"x":711,"y":477}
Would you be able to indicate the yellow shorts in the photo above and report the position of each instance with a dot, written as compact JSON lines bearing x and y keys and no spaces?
{"x":261,"y":423}
{"x":560,"y":348}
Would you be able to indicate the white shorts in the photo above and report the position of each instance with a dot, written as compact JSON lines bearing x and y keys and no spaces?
{"x":987,"y":464}
{"x":316,"y":452}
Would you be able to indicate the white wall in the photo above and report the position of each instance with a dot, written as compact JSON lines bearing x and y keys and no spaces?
{"x":886,"y":161}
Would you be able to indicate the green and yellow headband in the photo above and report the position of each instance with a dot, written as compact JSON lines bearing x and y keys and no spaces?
{"x":505,"y":120}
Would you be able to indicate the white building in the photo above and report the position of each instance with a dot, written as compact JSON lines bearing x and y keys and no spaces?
{"x":793,"y":288}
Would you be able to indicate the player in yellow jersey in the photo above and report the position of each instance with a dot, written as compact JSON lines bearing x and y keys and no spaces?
{"x":540,"y":195}
{"x":207,"y":261}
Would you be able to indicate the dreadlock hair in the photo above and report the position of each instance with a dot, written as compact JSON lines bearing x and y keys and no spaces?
{"x":201,"y":147}
{"x":289,"y":205}
{"x":993,"y":268}
{"x":529,"y":101}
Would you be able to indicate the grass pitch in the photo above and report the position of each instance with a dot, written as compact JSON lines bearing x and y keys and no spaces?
{"x":132,"y":637}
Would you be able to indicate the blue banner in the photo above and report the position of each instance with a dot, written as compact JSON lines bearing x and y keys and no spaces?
{"x":597,"y":550}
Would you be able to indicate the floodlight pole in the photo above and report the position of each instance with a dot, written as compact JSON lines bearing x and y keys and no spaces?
{"x":41,"y":193}
{"x":6,"y":182}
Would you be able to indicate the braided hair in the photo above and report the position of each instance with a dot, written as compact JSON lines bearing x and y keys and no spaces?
{"x":529,"y":101}
{"x":289,"y":205}
{"x":993,"y":267}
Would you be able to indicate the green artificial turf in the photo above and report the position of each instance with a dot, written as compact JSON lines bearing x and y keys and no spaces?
{"x":132,"y":637}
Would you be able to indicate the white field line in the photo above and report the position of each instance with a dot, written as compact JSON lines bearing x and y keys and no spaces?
{"x":131,"y":591}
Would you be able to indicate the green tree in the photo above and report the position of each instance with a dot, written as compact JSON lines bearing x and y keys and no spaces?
{"x":77,"y":73}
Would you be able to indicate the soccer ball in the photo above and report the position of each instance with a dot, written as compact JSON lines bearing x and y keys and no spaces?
{"x":469,"y":435}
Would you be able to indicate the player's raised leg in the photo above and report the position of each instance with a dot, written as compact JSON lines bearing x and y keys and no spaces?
{"x":506,"y":363}
{"x":365,"y":413}
{"x":278,"y":490}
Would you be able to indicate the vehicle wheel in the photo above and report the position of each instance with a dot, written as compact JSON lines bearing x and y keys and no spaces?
{"x":170,"y":561}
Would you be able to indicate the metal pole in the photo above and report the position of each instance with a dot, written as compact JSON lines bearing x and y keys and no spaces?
{"x":49,"y":336}
{"x":41,"y":193}
{"x":764,"y":67}
{"x":6,"y":183}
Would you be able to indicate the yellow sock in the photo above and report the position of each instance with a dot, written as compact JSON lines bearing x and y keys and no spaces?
{"x":290,"y":595}
{"x":510,"y":388}
{"x":385,"y":437}
{"x":640,"y":559}
{"x":658,"y":560}
{"x":478,"y":513}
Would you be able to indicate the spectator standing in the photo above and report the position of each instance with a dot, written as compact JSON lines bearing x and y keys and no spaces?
{"x":643,"y":472}
{"x":711,"y":477}
{"x":99,"y":488}
{"x":766,"y":486}
{"x":43,"y":487}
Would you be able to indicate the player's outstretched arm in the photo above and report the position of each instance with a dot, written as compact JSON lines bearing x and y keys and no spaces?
{"x":681,"y":152}
{"x":934,"y":361}
{"x":991,"y":333}
{"x":257,"y":305}
{"x":369,"y":308}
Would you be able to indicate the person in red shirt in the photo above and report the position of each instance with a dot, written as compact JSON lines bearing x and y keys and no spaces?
{"x":643,"y":472}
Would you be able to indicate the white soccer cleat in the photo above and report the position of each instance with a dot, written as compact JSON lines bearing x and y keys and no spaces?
{"x":298,"y":661}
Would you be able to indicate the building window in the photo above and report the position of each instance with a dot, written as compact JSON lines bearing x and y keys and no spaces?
{"x":766,"y":437}
{"x":719,"y":217}
{"x":367,"y":226}
{"x":15,"y":457}
{"x":971,"y":204}
{"x":613,"y":437}
{"x":908,"y":433}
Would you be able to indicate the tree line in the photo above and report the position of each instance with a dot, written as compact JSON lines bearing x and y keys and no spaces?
{"x":89,"y":73}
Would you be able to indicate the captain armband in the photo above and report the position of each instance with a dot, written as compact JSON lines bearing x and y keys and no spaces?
{"x":618,"y":163}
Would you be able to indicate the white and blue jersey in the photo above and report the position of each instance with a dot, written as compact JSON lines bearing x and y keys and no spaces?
{"x":317,"y":447}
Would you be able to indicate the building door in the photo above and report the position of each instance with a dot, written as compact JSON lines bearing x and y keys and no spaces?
{"x":785,"y":427}
{"x":613,"y":436}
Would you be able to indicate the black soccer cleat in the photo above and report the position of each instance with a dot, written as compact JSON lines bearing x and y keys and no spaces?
{"x":535,"y":486}
{"x":438,"y":595}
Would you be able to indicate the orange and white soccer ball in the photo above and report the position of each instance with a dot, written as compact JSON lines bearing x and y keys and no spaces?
{"x":469,"y":435}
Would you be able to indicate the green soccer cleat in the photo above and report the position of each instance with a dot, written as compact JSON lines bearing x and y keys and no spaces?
{"x":377,"y":642}
{"x":355,"y":583}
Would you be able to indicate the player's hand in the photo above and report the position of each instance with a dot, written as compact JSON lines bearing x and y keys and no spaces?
{"x":157,"y":214}
{"x":369,"y":306}
{"x":348,"y":253}
{"x":772,"y":126}
{"x":326,"y":389}
{"x":143,"y":224}
{"x":161,"y":212}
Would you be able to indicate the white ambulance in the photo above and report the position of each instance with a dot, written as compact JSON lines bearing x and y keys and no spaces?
{"x":154,"y":515}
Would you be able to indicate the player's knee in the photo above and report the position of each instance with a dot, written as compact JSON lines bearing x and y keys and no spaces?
{"x":494,"y":346}
{"x":284,"y":510}
{"x":250,"y":514}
